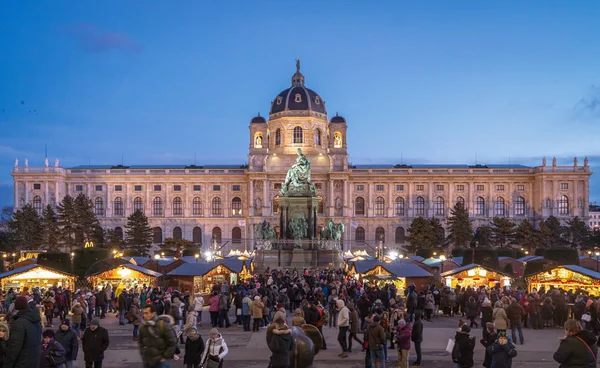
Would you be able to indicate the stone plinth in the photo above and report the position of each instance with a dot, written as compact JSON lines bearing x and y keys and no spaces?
{"x":298,"y":258}
{"x":298,"y":207}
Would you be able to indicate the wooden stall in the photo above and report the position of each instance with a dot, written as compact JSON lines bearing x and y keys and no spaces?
{"x":34,"y":275}
{"x":202,"y":276}
{"x":400,"y":272}
{"x":475,"y":275}
{"x":127,"y":274}
{"x":566,"y":277}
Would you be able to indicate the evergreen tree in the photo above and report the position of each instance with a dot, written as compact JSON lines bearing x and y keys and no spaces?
{"x":113,"y":240}
{"x":177,"y":244}
{"x":7,"y":238}
{"x":459,"y":224}
{"x":503,"y":231}
{"x":577,"y":232}
{"x":26,"y":225}
{"x":87,"y":222}
{"x":438,"y":230}
{"x":552,"y":232}
{"x":483,"y":236}
{"x":138,"y":233}
{"x":51,"y":228}
{"x":421,"y":234}
{"x":67,"y":220}
{"x":527,"y":236}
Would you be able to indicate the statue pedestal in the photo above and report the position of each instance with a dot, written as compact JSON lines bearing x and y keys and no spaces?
{"x":298,"y":207}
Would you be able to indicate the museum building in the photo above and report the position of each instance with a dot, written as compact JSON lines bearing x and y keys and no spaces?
{"x":375,"y":202}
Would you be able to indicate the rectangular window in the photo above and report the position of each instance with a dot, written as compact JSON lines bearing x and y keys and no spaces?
{"x":520,"y":187}
{"x":460,"y":188}
{"x":177,"y":188}
{"x":420,"y":187}
{"x":197,"y":188}
{"x":277,"y":186}
{"x":37,"y":186}
{"x":479,"y":187}
{"x":564,"y":185}
{"x":79,"y":188}
{"x":157,"y":188}
{"x":118,"y":188}
{"x":379,"y":188}
{"x":399,"y":187}
{"x":98,"y":188}
{"x":216,"y":188}
{"x":439,"y":187}
{"x":499,"y":187}
{"x":236,"y":188}
{"x":137,"y":188}
{"x":360,"y":187}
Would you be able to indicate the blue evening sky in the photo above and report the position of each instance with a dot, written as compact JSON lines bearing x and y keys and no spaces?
{"x":432,"y":82}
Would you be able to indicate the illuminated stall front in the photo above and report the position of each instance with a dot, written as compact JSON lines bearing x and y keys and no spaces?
{"x":34,"y":275}
{"x":202,"y":276}
{"x":566,"y":277}
{"x":400,"y":272}
{"x":128,"y":275}
{"x":475,"y":275}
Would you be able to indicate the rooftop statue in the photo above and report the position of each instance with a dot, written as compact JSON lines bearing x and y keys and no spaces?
{"x":264,"y":231}
{"x":332,"y":231}
{"x":298,"y":176}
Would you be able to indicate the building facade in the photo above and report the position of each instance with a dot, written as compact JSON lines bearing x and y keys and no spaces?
{"x":375,"y":202}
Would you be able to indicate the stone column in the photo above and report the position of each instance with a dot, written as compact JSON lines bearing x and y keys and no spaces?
{"x":264,"y":210}
{"x":148,"y":208}
{"x":251,"y":199}
{"x":46,"y":193}
{"x":16,"y":195}
{"x":575,"y":200}
{"x":408,"y":205}
{"x":390,"y":206}
{"x":346,"y":204}
{"x":368,"y":205}
{"x":108,"y":207}
{"x":26,"y":192}
{"x":429,"y":201}
{"x":331,"y":199}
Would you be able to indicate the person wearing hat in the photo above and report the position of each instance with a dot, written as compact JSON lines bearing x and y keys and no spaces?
{"x":68,"y":339}
{"x":94,"y":342}
{"x":52,"y":353}
{"x":403,"y":335}
{"x":194,"y":346}
{"x":376,"y":340}
{"x":465,"y":344}
{"x":216,"y":349}
{"x":502,"y":351}
{"x":578,"y":348}
{"x":24,"y":346}
{"x":257,"y":312}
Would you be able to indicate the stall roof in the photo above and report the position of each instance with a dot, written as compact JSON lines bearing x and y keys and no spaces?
{"x":30,"y":267}
{"x":434,"y":262}
{"x":416,"y":258}
{"x":397,"y":268}
{"x":582,"y":270}
{"x":529,"y":258}
{"x":202,"y":267}
{"x":138,"y":260}
{"x":131,"y":266}
{"x":468,"y":267}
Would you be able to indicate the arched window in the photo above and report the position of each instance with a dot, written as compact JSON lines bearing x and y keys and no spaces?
{"x":438,"y":206}
{"x":138,"y":204}
{"x":216,"y":234}
{"x":216,"y":207}
{"x":400,"y":235}
{"x":520,"y":206}
{"x":258,"y":140}
{"x":118,"y":207}
{"x":318,"y":137}
{"x":157,"y":235}
{"x":337,"y":140}
{"x":197,"y":235}
{"x":177,"y":206}
{"x":275,"y":204}
{"x":99,"y":206}
{"x":320,"y":207}
{"x":37,"y":204}
{"x":420,"y":206}
{"x":380,"y":234}
{"x":236,"y":206}
{"x":379,"y":206}
{"x":278,"y":137}
{"x":177,"y":233}
{"x":119,"y":232}
{"x":563,"y":205}
{"x":236,"y":235}
{"x":298,"y":135}
{"x":461,"y":200}
{"x":157,"y":207}
{"x":399,"y":206}
{"x":548,"y":203}
{"x":197,"y":206}
{"x":499,"y":208}
{"x":479,"y":206}
{"x":360,"y":234}
{"x":359,"y":206}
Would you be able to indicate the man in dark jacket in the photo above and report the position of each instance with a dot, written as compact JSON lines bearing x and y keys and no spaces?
{"x":354,"y":327}
{"x":157,"y":338}
{"x":101,"y":303}
{"x":578,"y":348}
{"x":465,"y":344}
{"x":515,"y":314}
{"x":502,"y":351}
{"x":417,"y":336}
{"x":311,"y":314}
{"x":122,"y":306}
{"x":24,"y":344}
{"x":280,"y":345}
{"x":94,"y":342}
{"x":375,"y":335}
{"x":68,"y":339}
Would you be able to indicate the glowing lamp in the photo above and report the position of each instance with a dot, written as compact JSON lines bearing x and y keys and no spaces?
{"x":197,"y":255}
{"x":393,"y":255}
{"x":442,"y":257}
{"x":471,"y":273}
{"x":124,"y":272}
{"x":114,"y":251}
{"x":157,"y":256}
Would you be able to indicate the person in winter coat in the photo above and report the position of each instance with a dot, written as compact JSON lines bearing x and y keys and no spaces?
{"x":76,"y":318}
{"x":194,"y":346}
{"x":198,"y":305}
{"x":354,"y":327}
{"x":547,"y":312}
{"x":281,"y":344}
{"x":515,"y":314}
{"x":417,"y":336}
{"x":122,"y":306}
{"x":471,"y":311}
{"x":578,"y":349}
{"x":429,"y":304}
{"x":189,"y":323}
{"x":487,"y":313}
{"x":489,"y":338}
{"x":158,"y":340}
{"x":24,"y":345}
{"x":136,"y":317}
{"x":257,"y":313}
{"x":502,"y":351}
{"x":52,"y":352}
{"x":280,"y":313}
{"x":68,"y":339}
{"x":403,"y":337}
{"x":215,"y":349}
{"x":500,"y":319}
{"x":223,"y":308}
{"x":49,"y":304}
{"x":343,"y":323}
{"x":213,"y":309}
{"x":94,"y":343}
{"x":298,"y":319}
{"x":4,"y":334}
{"x":246,"y":312}
{"x":466,"y":345}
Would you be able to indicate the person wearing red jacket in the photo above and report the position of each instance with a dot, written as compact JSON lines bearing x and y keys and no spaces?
{"x":403,"y":336}
{"x":524,"y":302}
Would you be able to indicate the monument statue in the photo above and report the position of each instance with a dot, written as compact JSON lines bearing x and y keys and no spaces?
{"x":56,"y":163}
{"x":554,"y":161}
{"x":544,"y":161}
{"x":257,"y":203}
{"x":575,"y":162}
{"x":299,"y":228}
{"x":46,"y":162}
{"x":16,"y":162}
{"x":298,"y":176}
{"x":585,"y":161}
{"x":26,"y":162}
{"x":264,"y":231}
{"x":297,"y":65}
{"x":332,"y":231}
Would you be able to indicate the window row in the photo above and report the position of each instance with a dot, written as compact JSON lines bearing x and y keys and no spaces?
{"x":177,"y":233}
{"x":158,"y":188}
{"x":157,"y":206}
{"x":440,"y":187}
{"x":399,"y":236}
{"x":298,"y":138}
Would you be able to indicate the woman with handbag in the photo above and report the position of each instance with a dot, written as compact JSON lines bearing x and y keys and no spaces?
{"x":216,"y":349}
{"x":578,"y":348}
{"x":53,"y":353}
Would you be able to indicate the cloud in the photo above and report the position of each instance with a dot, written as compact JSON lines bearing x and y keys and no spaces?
{"x":589,"y":105}
{"x":95,"y":40}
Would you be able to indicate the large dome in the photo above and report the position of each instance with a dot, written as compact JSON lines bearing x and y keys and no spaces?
{"x":298,"y":98}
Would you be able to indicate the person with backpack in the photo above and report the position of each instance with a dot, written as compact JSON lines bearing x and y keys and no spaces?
{"x":175,"y":312}
{"x":403,"y":337}
{"x":464,"y":345}
{"x":502,"y":351}
{"x":417,"y":336}
{"x":280,"y":344}
{"x":223,"y":309}
{"x":158,"y":340}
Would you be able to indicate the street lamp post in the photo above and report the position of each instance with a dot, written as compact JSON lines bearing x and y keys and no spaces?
{"x":442,"y":260}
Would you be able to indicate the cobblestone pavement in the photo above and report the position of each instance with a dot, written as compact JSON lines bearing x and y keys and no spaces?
{"x":248,"y":350}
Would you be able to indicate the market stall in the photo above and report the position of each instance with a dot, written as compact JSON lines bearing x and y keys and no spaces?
{"x":566,"y":277}
{"x":401,"y":273}
{"x":202,"y":276}
{"x":475,"y":275}
{"x":127,"y":274}
{"x":34,"y":275}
